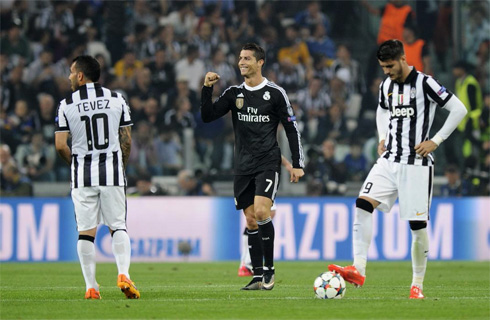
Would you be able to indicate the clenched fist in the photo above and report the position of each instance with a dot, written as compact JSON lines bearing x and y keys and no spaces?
{"x":210,"y":79}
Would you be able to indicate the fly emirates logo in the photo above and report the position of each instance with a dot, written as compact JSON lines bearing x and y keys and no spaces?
{"x":253,"y":116}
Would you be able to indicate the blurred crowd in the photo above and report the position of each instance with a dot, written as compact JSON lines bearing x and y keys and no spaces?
{"x":156,"y":54}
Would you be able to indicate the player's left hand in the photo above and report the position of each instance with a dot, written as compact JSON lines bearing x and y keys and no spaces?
{"x":425,"y":148}
{"x":296,"y":174}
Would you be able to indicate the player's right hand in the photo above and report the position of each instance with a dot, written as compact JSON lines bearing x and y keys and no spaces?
{"x":210,"y":79}
{"x":381,"y":147}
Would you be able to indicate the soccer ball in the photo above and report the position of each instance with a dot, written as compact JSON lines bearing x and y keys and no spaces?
{"x":329,"y":285}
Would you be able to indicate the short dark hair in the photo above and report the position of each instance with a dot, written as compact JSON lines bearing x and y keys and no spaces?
{"x":259,"y":52}
{"x":89,"y":66}
{"x":390,"y":50}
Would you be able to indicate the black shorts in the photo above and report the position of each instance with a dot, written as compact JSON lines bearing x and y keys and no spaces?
{"x":246,"y":187}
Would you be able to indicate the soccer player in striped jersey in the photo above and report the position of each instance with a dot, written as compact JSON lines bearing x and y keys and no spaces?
{"x":257,"y":107}
{"x":407,"y":103}
{"x":99,"y":123}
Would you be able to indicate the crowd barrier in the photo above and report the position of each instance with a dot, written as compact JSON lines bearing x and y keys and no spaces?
{"x":44,"y":229}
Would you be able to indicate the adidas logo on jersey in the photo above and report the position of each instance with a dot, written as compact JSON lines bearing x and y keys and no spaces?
{"x":402,"y":112}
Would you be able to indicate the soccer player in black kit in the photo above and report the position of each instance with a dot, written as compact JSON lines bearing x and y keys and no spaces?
{"x":257,"y":107}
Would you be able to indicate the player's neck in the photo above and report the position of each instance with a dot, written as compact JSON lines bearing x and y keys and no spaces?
{"x":406,"y":72}
{"x":254,"y":81}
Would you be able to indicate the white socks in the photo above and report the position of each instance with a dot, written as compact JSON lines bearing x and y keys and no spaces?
{"x":86,"y":254}
{"x":121,"y":248}
{"x":420,"y":249}
{"x":362,"y":234}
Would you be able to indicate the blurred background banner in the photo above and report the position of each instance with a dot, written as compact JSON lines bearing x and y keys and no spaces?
{"x":209,"y":229}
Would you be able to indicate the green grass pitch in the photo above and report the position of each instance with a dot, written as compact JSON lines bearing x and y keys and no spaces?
{"x":454,"y":290}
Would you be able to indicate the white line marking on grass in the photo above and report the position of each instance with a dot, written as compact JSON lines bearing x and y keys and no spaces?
{"x":242,"y":299}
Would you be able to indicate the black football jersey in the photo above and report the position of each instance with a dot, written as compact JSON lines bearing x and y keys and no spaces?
{"x":256,"y":113}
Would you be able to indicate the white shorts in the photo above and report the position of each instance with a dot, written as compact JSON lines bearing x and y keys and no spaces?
{"x":411,"y":184}
{"x":103,"y":204}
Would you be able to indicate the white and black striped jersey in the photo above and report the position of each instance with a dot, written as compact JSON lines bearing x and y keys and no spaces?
{"x":256,"y":113}
{"x":93,"y":115}
{"x":412,"y":106}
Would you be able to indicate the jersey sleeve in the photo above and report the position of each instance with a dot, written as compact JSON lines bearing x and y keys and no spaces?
{"x":61,"y":122}
{"x":126,"y":113}
{"x":381,"y":100}
{"x":211,"y":111}
{"x":436,"y":92}
{"x":288,"y":121}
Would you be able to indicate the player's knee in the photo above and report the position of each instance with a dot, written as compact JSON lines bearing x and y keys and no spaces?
{"x":114,"y":231}
{"x":251,"y":222}
{"x":418,"y":225}
{"x":262,"y":213}
{"x":364,"y":205}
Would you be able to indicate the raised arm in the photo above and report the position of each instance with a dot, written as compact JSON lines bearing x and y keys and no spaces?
{"x":211,"y":111}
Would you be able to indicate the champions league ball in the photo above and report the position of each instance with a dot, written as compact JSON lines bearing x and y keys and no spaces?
{"x":329,"y":285}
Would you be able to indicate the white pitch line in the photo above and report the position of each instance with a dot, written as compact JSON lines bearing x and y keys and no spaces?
{"x":242,"y":299}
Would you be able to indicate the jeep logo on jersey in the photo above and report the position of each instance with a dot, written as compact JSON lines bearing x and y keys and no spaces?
{"x":267,"y":95}
{"x":402,"y":111}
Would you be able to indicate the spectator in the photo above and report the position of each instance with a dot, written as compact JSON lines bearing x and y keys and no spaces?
{"x":46,"y":115}
{"x":290,"y":76}
{"x":455,"y":186}
{"x":355,"y":81}
{"x":143,"y":14}
{"x":40,"y":74}
{"x":14,"y":184}
{"x":15,"y":89}
{"x":180,"y":116}
{"x":183,"y":21}
{"x":38,"y":158}
{"x":58,"y":19}
{"x":324,"y":170}
{"x":265,"y":18}
{"x":191,"y":67}
{"x":142,"y":87}
{"x":144,"y":188}
{"x":416,"y":50}
{"x":142,"y":44}
{"x":356,"y":163}
{"x":315,"y":102}
{"x":192,"y":186}
{"x":169,"y":150}
{"x":106,"y":73}
{"x":22,"y":121}
{"x":333,"y":125}
{"x":152,"y":113}
{"x":162,"y":73}
{"x":312,"y":16}
{"x":206,"y":39}
{"x":143,"y":157}
{"x":125,"y":68}
{"x":366,"y":123}
{"x":15,"y":45}
{"x":394,"y":15}
{"x":468,"y":90}
{"x":166,"y":41}
{"x":294,"y":49}
{"x":320,"y":42}
{"x":476,"y":30}
{"x":219,"y":65}
{"x":182,"y":90}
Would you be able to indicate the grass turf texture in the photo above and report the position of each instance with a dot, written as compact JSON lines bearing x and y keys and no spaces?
{"x":454,"y":290}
